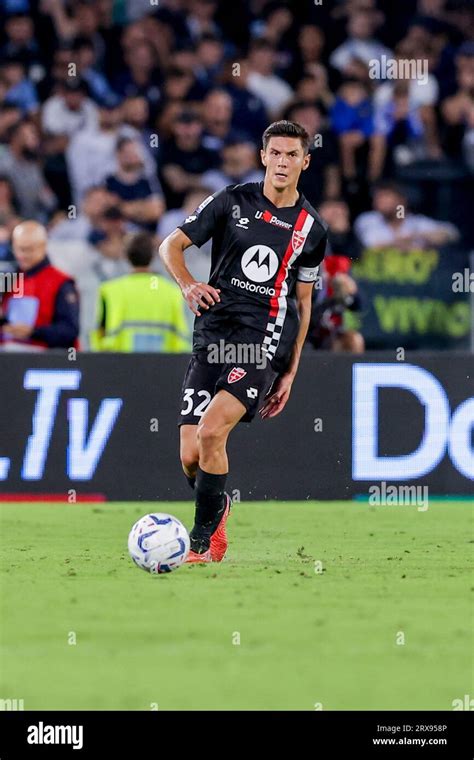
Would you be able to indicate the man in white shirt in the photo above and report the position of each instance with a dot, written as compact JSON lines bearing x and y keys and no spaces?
{"x":238,"y":165}
{"x":70,"y":110}
{"x":360,"y":44}
{"x":273,"y":91}
{"x":91,"y":154}
{"x":391,"y":225}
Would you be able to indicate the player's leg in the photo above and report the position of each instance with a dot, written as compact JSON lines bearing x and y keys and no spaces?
{"x":212,"y":503}
{"x":222,"y":414}
{"x":189,"y":452}
{"x":196,"y":393}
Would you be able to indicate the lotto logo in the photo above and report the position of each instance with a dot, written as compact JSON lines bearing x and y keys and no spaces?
{"x":252,"y":392}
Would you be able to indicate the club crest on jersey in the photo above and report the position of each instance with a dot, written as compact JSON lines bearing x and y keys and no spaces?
{"x":298,"y":240}
{"x":236,"y":373}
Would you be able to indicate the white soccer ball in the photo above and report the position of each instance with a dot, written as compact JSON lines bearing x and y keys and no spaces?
{"x":158,"y":543}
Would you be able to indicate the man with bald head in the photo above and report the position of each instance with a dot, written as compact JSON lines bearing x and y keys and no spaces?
{"x":46,"y":314}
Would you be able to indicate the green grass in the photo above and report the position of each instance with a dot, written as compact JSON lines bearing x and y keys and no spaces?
{"x":305,"y":637}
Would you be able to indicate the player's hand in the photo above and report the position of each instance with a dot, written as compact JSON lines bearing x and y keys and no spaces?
{"x":200,"y":295}
{"x":275,"y":403}
{"x":18,"y":331}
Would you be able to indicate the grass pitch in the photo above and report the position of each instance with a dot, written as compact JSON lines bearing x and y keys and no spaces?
{"x":270,"y":628}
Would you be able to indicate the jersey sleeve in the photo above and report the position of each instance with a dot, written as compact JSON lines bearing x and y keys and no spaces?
{"x":309,"y":261}
{"x":201,"y":225}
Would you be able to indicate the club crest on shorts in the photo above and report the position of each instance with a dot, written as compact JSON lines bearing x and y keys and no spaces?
{"x":297,"y":240}
{"x":236,"y":373}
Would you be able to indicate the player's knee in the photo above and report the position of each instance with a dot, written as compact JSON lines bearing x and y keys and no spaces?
{"x":189,"y":460}
{"x":210,"y":436}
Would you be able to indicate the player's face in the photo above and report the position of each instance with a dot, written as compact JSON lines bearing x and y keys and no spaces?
{"x":284,"y":160}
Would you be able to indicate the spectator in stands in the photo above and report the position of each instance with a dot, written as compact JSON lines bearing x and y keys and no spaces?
{"x":141,"y":311}
{"x":180,"y":85}
{"x":21,"y":163}
{"x":457,"y":108}
{"x":80,"y":226}
{"x":360,"y":44}
{"x":108,"y":238}
{"x":183,"y":158}
{"x":239,"y":164}
{"x":362,"y":151}
{"x":275,"y":25}
{"x":248,"y":111}
{"x":209,"y":59}
{"x":136,"y":114}
{"x":313,"y":87}
{"x":402,"y":128}
{"x":64,"y":114}
{"x":200,"y":18}
{"x":309,"y":52}
{"x":8,"y":216}
{"x":408,"y":106}
{"x":91,"y":155}
{"x":70,"y":110}
{"x":390,"y":224}
{"x":47,"y":313}
{"x":338,"y":292}
{"x":272,"y":90}
{"x":141,"y":76}
{"x":20,"y":42}
{"x":139,"y":198}
{"x":19,"y":90}
{"x":81,"y":19}
{"x":85,"y":58}
{"x":217,"y":118}
{"x":10,"y":116}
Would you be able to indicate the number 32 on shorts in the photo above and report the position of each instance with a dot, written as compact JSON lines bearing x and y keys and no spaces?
{"x":190,"y":401}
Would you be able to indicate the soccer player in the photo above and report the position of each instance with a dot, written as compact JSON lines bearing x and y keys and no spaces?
{"x":267,"y":244}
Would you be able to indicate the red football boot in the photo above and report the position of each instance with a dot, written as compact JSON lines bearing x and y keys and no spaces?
{"x":219,"y":541}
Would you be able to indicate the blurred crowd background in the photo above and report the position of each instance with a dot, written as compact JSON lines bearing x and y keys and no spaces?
{"x":118,"y":117}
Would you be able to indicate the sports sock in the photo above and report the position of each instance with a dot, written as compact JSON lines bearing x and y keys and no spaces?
{"x":210,"y":505}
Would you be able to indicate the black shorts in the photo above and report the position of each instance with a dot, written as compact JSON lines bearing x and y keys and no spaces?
{"x":247,"y":382}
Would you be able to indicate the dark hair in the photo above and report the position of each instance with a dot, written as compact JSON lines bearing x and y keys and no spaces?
{"x":390,"y":185}
{"x":139,"y":249}
{"x":285,"y":128}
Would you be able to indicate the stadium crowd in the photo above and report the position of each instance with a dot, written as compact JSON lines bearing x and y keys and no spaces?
{"x":118,"y":117}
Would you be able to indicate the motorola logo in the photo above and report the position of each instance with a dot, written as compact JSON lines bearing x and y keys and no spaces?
{"x":259,"y":263}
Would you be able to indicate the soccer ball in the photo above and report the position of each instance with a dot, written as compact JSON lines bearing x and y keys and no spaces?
{"x":158,"y":543}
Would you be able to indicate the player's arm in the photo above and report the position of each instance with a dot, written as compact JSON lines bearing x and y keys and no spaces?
{"x":275,"y":403}
{"x":196,"y":294}
{"x":196,"y":229}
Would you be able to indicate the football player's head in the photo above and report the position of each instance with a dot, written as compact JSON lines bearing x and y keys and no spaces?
{"x":285,"y":153}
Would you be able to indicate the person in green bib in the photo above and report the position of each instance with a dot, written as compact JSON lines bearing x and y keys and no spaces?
{"x":141,"y":311}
